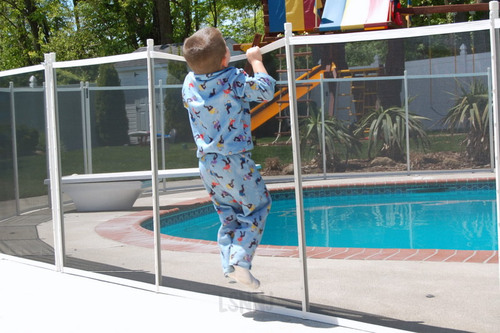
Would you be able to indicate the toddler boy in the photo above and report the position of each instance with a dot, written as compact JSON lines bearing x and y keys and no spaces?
{"x":217,"y":99}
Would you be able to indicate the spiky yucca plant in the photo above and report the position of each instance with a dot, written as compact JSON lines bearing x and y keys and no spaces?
{"x":336,"y":133}
{"x":470,"y":112}
{"x":388,"y":127}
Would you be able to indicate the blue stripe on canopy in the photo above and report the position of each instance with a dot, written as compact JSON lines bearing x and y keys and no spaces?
{"x":277,"y":15}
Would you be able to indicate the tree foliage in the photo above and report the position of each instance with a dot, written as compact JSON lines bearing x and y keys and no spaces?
{"x":80,"y":29}
{"x":26,"y":28}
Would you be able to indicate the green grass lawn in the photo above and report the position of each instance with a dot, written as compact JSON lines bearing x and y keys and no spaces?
{"x":33,"y":169}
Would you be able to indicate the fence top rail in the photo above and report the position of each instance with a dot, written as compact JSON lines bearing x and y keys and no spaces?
{"x":101,"y":60}
{"x":167,"y":56}
{"x":393,"y":33}
{"x":22,"y":70}
{"x":264,"y":49}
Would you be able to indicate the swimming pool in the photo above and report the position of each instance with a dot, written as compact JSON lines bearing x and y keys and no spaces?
{"x":459,"y":216}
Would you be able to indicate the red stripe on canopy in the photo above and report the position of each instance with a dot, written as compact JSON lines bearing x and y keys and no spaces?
{"x":311,"y":19}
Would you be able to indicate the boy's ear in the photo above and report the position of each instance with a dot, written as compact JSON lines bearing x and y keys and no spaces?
{"x":225,"y":60}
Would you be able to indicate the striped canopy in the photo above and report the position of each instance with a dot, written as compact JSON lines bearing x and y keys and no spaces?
{"x":338,"y":15}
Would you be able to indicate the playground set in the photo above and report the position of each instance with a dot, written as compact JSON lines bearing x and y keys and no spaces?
{"x":330,"y":17}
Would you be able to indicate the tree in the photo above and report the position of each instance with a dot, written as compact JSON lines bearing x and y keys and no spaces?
{"x":241,"y":20}
{"x":174,"y":21}
{"x":103,"y":28}
{"x":81,"y":29}
{"x":138,"y":25}
{"x":176,"y":116}
{"x":111,"y":116}
{"x":162,"y":21}
{"x":389,"y":93}
{"x":27,"y":26}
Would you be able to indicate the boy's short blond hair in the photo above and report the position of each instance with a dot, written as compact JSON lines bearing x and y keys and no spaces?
{"x":204,"y":50}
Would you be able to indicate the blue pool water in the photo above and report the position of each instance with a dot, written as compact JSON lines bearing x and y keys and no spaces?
{"x":409,"y":218}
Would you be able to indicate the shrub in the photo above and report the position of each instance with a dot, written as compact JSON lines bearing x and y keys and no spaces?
{"x":176,"y":115}
{"x":336,"y":133}
{"x":111,"y":115}
{"x":471,"y":112}
{"x":26,"y":138}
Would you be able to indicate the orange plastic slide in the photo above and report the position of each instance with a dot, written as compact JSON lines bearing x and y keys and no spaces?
{"x":265,"y":111}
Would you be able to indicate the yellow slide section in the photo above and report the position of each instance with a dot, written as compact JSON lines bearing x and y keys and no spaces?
{"x":265,"y":111}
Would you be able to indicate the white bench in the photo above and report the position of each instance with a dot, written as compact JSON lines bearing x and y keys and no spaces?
{"x":113,"y":191}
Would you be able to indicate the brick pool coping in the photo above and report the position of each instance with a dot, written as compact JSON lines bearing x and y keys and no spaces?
{"x":127,"y":229}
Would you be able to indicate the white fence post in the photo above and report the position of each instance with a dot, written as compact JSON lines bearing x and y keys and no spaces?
{"x":297,"y":169}
{"x":54,"y":160}
{"x":494,"y":99}
{"x":14,"y":147}
{"x":154,"y":163}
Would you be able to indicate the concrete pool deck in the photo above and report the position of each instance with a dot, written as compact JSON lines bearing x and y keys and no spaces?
{"x":423,"y":295}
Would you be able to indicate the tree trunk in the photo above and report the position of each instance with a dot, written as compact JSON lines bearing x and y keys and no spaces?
{"x":30,"y":12}
{"x":390,"y":91}
{"x":188,"y":19}
{"x":215,"y":13}
{"x":328,"y":54}
{"x":162,"y":22}
{"x":77,"y":18}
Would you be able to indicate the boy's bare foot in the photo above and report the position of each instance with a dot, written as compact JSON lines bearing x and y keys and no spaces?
{"x":243,"y":276}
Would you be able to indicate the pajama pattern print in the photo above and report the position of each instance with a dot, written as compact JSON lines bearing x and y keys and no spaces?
{"x":219,"y":108}
{"x":242,"y":203}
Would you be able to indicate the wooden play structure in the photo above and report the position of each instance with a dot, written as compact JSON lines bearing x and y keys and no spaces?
{"x":317,"y":16}
{"x":330,"y":17}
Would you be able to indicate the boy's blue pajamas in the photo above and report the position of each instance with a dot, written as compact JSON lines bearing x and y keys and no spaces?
{"x":242,"y":202}
{"x":219,"y":110}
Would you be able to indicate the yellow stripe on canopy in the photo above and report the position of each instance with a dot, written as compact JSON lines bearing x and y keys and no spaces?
{"x":295,"y":14}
